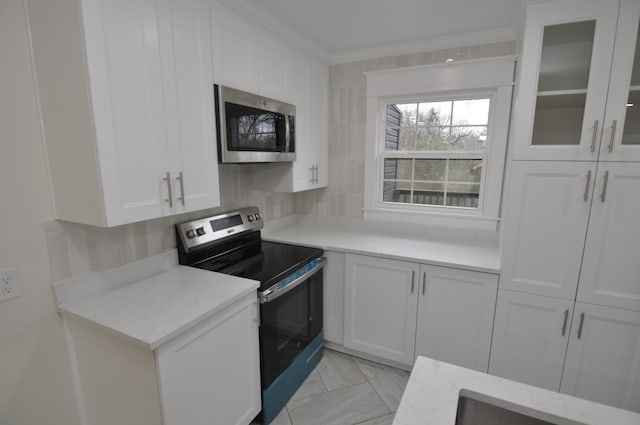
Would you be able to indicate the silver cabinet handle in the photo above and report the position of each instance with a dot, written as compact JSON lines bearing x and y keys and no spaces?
{"x":316,"y":173}
{"x":613,"y":135}
{"x":424,"y":282}
{"x":586,"y":189}
{"x":564,"y":324}
{"x":604,"y":186}
{"x":167,"y":178}
{"x":580,"y":326}
{"x":595,"y":136}
{"x":181,"y":180}
{"x":313,"y":174}
{"x":413,"y":280}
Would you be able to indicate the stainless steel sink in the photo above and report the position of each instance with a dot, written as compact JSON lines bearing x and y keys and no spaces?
{"x":475,"y":412}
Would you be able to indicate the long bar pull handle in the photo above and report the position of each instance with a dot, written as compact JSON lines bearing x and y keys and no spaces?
{"x":613,"y":135}
{"x":586,"y":189}
{"x":604,"y":186}
{"x":580,"y":326}
{"x":424,"y":282}
{"x":180,"y":178}
{"x":595,"y":136}
{"x":317,"y":174}
{"x":413,"y":280}
{"x":564,"y":324}
{"x":167,"y":178}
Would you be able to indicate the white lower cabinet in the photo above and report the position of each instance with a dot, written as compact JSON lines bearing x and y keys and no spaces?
{"x":530,"y":338}
{"x":586,"y":350}
{"x":210,"y":374}
{"x":333,"y":294}
{"x":455,"y":316}
{"x":397,"y":310}
{"x":380,"y":302}
{"x":603,"y":358}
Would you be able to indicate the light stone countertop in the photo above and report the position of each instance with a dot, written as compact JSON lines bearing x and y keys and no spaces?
{"x":150,"y":301}
{"x":463,"y":249}
{"x":432,"y":393}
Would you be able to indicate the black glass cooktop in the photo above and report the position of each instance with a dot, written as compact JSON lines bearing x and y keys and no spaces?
{"x":267,"y":262}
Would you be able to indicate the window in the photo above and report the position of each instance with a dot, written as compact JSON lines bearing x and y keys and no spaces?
{"x":435,"y":151}
{"x":436,"y":142}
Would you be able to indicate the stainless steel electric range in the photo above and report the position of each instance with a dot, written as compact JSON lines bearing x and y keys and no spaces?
{"x":290,"y":294}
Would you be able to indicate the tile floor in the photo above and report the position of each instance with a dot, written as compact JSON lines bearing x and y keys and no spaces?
{"x":345,"y":390}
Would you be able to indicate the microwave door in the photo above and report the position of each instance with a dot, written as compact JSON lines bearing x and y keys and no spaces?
{"x":253,"y":130}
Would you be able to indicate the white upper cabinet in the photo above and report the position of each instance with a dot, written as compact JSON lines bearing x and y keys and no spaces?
{"x":603,"y":356}
{"x":235,"y":44}
{"x":190,"y":100}
{"x":274,"y":57}
{"x":621,"y":132}
{"x":546,"y":219}
{"x":611,"y":267}
{"x":125,"y":112}
{"x":564,"y":77}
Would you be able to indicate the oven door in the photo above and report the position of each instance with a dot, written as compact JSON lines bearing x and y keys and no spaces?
{"x":290,"y":317}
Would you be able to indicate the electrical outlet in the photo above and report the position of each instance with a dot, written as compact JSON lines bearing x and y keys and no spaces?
{"x":9,"y":285}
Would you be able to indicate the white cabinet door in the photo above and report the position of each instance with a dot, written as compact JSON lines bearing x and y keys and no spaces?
{"x":564,"y":77}
{"x":211,"y":374}
{"x":530,"y":338}
{"x":621,"y":127}
{"x":380,"y":303}
{"x":603,"y":359}
{"x":125,"y":77}
{"x":319,"y":122}
{"x":455,"y":316}
{"x":273,"y":58}
{"x":545,"y":223}
{"x":188,"y":80}
{"x":611,"y":267}
{"x":235,"y":49}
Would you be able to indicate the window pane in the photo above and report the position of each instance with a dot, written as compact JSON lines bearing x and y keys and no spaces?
{"x":407,"y":139}
{"x":468,"y":138}
{"x":463,"y":195}
{"x":433,"y":138}
{"x":408,"y":113}
{"x":434,"y":113}
{"x":394,"y":191}
{"x":471,"y":112}
{"x":428,"y":193}
{"x":434,"y":170}
{"x":465,"y":170}
{"x":397,"y":169}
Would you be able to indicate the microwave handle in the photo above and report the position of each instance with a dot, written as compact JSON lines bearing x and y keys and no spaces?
{"x":287,"y":131}
{"x":276,"y":292}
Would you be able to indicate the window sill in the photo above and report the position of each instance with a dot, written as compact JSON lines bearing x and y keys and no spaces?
{"x":459,"y":221}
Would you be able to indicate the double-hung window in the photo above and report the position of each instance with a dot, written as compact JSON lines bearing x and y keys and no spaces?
{"x":437,"y":151}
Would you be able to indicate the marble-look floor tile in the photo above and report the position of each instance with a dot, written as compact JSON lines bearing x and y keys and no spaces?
{"x":388,"y":382}
{"x":383,"y":420}
{"x":311,"y":386}
{"x":345,"y":406}
{"x":339,"y":370}
{"x":282,"y":418}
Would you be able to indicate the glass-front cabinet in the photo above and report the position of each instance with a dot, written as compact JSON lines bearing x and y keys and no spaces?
{"x":579,"y":82}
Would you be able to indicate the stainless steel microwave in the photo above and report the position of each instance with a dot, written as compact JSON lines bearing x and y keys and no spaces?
{"x":252,"y":128}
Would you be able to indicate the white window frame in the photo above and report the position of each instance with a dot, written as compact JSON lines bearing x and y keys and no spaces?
{"x":491,"y":78}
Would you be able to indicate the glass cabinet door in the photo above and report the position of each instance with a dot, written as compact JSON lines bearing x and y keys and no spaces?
{"x":564,"y":77}
{"x":621,"y":134}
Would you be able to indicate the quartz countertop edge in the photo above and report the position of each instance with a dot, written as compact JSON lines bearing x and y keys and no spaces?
{"x":434,"y":387}
{"x":379,"y":239}
{"x":154,"y":308}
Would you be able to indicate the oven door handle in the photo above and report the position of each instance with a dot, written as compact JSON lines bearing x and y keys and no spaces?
{"x":276,"y":291}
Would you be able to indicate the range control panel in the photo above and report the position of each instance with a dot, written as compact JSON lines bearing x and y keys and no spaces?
{"x":205,"y":230}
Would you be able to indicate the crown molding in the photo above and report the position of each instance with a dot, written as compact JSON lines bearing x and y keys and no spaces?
{"x":425,"y":45}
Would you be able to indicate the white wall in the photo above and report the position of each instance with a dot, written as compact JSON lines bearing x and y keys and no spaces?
{"x":35,"y":378}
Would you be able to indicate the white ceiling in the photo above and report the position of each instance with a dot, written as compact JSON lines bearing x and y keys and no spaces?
{"x":343,"y":28}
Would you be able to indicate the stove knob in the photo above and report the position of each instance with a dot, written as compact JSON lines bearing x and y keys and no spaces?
{"x":191,"y":234}
{"x":200,"y":231}
{"x":258,"y":216}
{"x":250,"y":217}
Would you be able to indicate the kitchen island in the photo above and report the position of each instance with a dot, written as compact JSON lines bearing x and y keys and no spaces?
{"x":435,"y":388}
